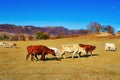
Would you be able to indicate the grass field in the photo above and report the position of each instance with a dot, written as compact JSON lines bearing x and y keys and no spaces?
{"x":101,"y":66}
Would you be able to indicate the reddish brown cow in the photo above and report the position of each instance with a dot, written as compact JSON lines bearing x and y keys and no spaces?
{"x":88,"y":48}
{"x":38,"y":50}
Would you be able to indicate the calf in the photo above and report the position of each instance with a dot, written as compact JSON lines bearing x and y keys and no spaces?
{"x":110,"y":47}
{"x":88,"y":48}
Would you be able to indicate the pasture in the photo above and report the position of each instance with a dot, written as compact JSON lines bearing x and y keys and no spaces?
{"x":101,"y":66}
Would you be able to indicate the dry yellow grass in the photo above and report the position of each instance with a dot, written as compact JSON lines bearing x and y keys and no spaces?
{"x":101,"y":66}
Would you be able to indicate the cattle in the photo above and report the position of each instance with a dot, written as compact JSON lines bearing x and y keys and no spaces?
{"x":110,"y":47}
{"x":88,"y":48}
{"x":57,"y":51}
{"x":75,"y":49}
{"x":2,"y":44}
{"x":10,"y":45}
{"x":42,"y":50}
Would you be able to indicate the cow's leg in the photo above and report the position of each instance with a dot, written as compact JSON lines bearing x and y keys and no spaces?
{"x":46,"y":56}
{"x":90,"y":52}
{"x":63,"y":54}
{"x":27,"y":56}
{"x":43,"y":56}
{"x":73,"y":54}
{"x":79,"y":54}
{"x":36,"y":57}
{"x":32,"y":57}
{"x":87,"y":52}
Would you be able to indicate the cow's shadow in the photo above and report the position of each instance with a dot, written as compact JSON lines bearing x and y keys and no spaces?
{"x":59,"y":59}
{"x":50,"y":59}
{"x":53,"y":58}
{"x":84,"y":56}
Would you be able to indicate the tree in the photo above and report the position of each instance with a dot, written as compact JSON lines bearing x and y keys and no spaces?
{"x":21,"y":37}
{"x":30,"y":37}
{"x":40,"y":35}
{"x":4,"y":36}
{"x":15,"y":38}
{"x":98,"y":27}
{"x":46,"y":35}
{"x":94,"y":27}
{"x":109,"y":29}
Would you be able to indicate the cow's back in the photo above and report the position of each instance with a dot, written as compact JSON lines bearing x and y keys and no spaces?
{"x":87,"y":47}
{"x":36,"y":49}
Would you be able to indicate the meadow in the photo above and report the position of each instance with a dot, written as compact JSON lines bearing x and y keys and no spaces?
{"x":103,"y":65}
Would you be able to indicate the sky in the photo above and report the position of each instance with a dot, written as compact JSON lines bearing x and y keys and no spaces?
{"x":72,"y":14}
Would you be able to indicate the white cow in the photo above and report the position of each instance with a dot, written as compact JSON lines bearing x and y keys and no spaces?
{"x":2,"y":44}
{"x":57,"y":51}
{"x":75,"y":49}
{"x":110,"y":47}
{"x":10,"y":45}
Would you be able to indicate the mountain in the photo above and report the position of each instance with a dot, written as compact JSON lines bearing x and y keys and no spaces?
{"x":53,"y":30}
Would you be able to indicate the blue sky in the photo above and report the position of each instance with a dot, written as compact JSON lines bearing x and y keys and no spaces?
{"x":72,"y":14}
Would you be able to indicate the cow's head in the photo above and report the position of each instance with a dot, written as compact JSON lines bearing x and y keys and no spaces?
{"x":93,"y":47}
{"x":50,"y":51}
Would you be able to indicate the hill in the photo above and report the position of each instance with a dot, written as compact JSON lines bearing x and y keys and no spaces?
{"x":53,"y":30}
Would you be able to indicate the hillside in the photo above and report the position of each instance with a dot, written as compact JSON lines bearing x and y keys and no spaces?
{"x":53,"y":30}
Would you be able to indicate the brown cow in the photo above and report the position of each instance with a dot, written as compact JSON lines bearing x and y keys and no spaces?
{"x":88,"y":48}
{"x":39,"y":50}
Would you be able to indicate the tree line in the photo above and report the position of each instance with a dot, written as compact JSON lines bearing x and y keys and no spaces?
{"x":96,"y":27}
{"x":23,"y":37}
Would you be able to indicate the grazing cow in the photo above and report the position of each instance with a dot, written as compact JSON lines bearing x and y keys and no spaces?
{"x":57,"y":51}
{"x":10,"y":45}
{"x":39,"y":50}
{"x":110,"y":47}
{"x":72,"y":49}
{"x":88,"y":48}
{"x":2,"y":44}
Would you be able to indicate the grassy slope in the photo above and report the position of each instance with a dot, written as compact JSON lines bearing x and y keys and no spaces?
{"x":101,"y":66}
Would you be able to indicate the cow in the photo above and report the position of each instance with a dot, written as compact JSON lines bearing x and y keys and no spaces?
{"x":35,"y":50}
{"x":10,"y":45}
{"x":88,"y":48}
{"x":75,"y":49}
{"x":2,"y":44}
{"x":110,"y":47}
{"x":57,"y":51}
